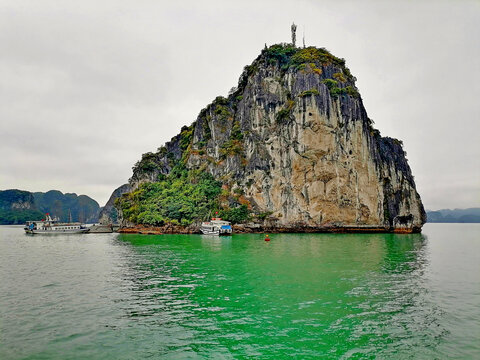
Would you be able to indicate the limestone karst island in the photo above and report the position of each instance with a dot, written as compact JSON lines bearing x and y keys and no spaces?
{"x":290,"y":149}
{"x":272,"y":222}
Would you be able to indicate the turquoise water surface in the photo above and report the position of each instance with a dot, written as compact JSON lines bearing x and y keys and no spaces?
{"x":305,"y":296}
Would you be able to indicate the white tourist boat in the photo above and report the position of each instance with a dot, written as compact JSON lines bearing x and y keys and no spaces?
{"x":51,"y":227}
{"x":216,"y":226}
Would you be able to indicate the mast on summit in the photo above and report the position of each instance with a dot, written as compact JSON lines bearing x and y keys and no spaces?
{"x":304,"y":36}
{"x":294,"y":36}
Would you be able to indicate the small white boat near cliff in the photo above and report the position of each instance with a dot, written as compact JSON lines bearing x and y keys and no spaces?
{"x":49,"y":226}
{"x":216,"y":226}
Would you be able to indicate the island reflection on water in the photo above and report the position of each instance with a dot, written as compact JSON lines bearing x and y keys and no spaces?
{"x":329,"y":289}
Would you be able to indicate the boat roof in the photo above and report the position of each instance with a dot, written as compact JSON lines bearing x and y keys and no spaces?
{"x":219,"y":221}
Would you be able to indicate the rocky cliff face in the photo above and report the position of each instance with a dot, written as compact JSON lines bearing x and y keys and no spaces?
{"x":16,"y":200}
{"x":295,"y":144}
{"x":109,"y":214}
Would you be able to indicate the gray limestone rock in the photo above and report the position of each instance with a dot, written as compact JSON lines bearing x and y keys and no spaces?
{"x":296,"y":138}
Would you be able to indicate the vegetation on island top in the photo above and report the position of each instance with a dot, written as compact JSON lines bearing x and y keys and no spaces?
{"x":308,"y":59}
{"x":180,"y":198}
{"x":287,"y":55}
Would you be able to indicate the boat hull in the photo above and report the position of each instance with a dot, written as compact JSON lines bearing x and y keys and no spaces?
{"x":56,"y":232}
{"x":216,"y":227}
{"x":215,"y":232}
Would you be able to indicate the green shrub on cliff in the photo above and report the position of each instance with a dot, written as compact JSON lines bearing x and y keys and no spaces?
{"x":148,"y":163}
{"x":220,"y":100}
{"x":319,"y":56}
{"x":339,"y":77}
{"x":310,"y":67}
{"x":307,"y":55}
{"x":235,"y":215}
{"x":236,"y":133}
{"x":182,"y":197}
{"x":352,"y":91}
{"x":309,"y":93}
{"x":330,"y":83}
{"x":285,"y":112}
{"x":335,"y":91}
{"x":231,"y":147}
{"x":280,"y":53}
{"x":186,"y":136}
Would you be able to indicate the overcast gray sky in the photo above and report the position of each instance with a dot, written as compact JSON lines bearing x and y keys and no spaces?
{"x":86,"y":87}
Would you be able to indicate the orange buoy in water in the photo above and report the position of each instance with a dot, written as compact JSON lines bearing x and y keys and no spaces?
{"x":267,"y":238}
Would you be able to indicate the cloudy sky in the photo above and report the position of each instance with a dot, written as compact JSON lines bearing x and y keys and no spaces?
{"x":86,"y":87}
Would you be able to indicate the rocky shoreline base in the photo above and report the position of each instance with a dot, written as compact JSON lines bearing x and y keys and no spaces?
{"x":259,"y":229}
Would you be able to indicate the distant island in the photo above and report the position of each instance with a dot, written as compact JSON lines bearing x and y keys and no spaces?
{"x":470,"y":215}
{"x":18,"y":206}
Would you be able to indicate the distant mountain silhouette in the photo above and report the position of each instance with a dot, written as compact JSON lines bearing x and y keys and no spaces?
{"x":18,"y":206}
{"x":471,"y":215}
{"x":82,"y":207}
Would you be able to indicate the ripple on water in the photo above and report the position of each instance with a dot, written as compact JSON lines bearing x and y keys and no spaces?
{"x":301,"y":295}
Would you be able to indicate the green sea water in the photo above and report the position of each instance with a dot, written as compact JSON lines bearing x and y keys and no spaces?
{"x":303,"y":296}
